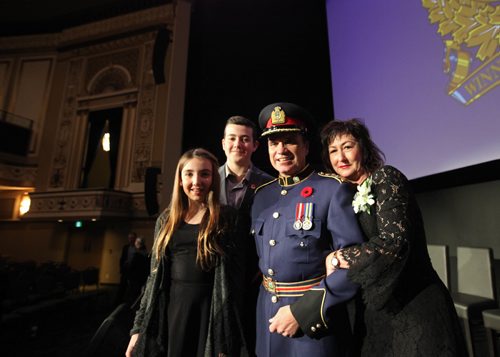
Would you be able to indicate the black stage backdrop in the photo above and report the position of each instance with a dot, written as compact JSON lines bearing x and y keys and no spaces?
{"x":246,"y":54}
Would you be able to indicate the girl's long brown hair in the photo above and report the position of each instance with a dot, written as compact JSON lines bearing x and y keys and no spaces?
{"x":208,"y":246}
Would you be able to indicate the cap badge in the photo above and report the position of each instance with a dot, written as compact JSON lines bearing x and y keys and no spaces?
{"x":278,"y":116}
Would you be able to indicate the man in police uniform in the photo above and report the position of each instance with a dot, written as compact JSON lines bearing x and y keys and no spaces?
{"x":297,"y":219}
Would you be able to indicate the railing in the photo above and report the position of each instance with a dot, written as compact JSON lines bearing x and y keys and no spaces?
{"x":80,"y":204}
{"x":16,"y":120}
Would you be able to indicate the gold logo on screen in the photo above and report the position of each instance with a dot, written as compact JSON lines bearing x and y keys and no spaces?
{"x":471,"y":34}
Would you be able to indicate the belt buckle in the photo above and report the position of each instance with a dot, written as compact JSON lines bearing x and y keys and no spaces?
{"x":270,"y":285}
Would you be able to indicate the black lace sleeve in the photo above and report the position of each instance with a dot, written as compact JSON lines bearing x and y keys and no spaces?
{"x":377,"y":264}
{"x":225,"y":332}
{"x":148,"y":290}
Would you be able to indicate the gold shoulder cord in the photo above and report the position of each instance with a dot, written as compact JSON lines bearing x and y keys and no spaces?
{"x":332,"y":176}
{"x":265,"y":184}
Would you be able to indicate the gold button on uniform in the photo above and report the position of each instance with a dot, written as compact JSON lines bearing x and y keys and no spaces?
{"x":284,"y":192}
{"x":272,"y":242}
{"x":319,"y":326}
{"x":276,"y":214}
{"x":313,"y":329}
{"x":274,"y":299}
{"x":270,"y":272}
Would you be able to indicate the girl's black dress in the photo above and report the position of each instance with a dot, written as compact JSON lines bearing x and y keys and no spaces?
{"x":186,"y":311}
{"x":190,"y":295}
{"x":408,"y":310}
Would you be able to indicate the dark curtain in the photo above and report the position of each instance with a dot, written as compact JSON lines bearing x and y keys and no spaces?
{"x":96,"y":126}
{"x":114,"y":139}
{"x":278,"y":52}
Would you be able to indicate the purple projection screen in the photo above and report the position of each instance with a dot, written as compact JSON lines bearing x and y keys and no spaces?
{"x":422,"y":77}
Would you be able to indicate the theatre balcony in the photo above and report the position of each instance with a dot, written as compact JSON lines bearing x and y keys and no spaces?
{"x":80,"y":204}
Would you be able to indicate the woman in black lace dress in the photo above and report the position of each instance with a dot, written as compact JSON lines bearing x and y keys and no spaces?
{"x":192,"y":298}
{"x":408,"y":310}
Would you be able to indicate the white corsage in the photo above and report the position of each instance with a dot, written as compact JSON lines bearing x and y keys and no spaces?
{"x":364,"y":198}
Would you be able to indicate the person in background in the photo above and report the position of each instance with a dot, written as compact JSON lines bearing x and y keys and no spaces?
{"x":409,"y":311}
{"x":192,"y":298}
{"x":128,"y":251}
{"x":238,"y":180}
{"x":297,"y":219}
{"x":138,"y":271}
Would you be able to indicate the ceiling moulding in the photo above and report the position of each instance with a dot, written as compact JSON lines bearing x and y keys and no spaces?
{"x":93,"y":31}
{"x":30,"y":42}
{"x":153,"y":17}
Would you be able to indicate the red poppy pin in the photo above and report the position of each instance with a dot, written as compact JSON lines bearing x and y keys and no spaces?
{"x":306,"y":191}
{"x":253,"y":186}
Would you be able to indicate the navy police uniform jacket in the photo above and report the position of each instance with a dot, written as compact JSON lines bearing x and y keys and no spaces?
{"x":292,"y":261}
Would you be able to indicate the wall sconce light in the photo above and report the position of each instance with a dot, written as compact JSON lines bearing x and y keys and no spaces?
{"x":24,"y":207}
{"x":105,"y":138}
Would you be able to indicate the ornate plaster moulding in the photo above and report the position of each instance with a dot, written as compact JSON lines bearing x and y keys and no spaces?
{"x":133,"y":22}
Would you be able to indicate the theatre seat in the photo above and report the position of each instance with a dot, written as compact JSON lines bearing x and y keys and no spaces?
{"x":476,"y":289}
{"x":112,"y":337}
{"x":440,"y":261}
{"x":491,"y":320}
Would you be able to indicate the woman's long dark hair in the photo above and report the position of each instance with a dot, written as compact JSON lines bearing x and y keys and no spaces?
{"x":373,"y":157}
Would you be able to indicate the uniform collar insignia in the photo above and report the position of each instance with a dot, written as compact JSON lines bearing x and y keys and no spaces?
{"x":293,"y":180}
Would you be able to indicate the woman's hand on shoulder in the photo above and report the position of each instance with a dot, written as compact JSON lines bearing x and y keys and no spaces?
{"x":131,"y":344}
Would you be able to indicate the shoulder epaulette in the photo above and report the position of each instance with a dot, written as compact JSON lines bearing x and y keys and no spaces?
{"x":332,"y":176}
{"x":265,"y":184}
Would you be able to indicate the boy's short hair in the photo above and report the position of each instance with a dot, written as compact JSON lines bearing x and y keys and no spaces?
{"x":241,"y":120}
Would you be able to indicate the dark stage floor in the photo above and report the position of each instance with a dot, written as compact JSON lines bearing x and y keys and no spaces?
{"x":58,"y":329}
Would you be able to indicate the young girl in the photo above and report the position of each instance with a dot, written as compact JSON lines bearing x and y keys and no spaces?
{"x":191,"y":302}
